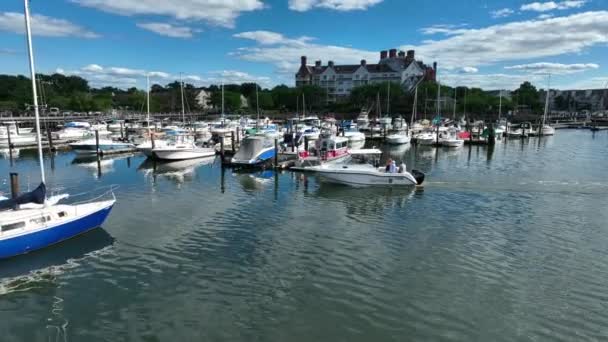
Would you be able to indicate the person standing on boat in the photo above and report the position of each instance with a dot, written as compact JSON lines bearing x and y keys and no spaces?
{"x":402,"y":167}
{"x":389,"y":162}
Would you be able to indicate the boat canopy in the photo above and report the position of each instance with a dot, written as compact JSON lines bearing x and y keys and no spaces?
{"x":251,"y":147}
{"x":37,"y":196}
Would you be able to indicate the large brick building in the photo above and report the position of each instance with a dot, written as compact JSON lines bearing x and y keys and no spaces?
{"x":339,"y":80}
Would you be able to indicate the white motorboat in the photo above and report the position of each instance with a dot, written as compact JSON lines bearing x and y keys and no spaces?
{"x":426,"y":138}
{"x":146,"y":147}
{"x":363,"y":119}
{"x":367,"y":175}
{"x":399,"y":138}
{"x":182,"y":147}
{"x":18,"y":136}
{"x":254,"y":151}
{"x":450,"y":139}
{"x":106,"y":146}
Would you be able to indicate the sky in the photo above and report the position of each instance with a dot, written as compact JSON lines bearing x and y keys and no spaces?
{"x":488,"y":44}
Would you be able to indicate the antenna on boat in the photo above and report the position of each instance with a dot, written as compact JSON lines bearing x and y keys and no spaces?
{"x":222,"y":101}
{"x":30,"y":51}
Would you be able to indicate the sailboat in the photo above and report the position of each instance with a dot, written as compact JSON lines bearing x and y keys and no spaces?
{"x":400,"y":137}
{"x":546,"y":129}
{"x":150,"y":143}
{"x":31,"y":221}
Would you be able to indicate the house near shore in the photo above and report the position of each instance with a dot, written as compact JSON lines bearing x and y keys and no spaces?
{"x":339,"y":80}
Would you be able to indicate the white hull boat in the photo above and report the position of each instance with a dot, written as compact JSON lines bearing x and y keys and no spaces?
{"x":182,"y":153}
{"x":451,"y":142}
{"x":367,"y":175}
{"x":106,"y":146}
{"x":146,"y":146}
{"x":398,"y":139}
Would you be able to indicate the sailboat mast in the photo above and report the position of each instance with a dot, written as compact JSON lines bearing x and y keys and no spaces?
{"x":303,"y":105}
{"x":181,"y":83}
{"x":454,"y":113}
{"x":388,"y":98}
{"x":148,"y":102}
{"x":438,"y":98}
{"x":414,"y":107}
{"x":257,"y":101}
{"x":500,"y":106}
{"x":547,"y":100}
{"x":30,"y":51}
{"x":222,"y":100}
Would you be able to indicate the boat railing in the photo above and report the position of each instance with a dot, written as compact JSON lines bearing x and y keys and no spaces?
{"x":97,"y":194}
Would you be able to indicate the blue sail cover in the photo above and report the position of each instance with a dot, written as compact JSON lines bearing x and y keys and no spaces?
{"x":37,"y":196}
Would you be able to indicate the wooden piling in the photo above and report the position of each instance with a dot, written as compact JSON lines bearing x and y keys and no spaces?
{"x":14,"y":184}
{"x":222,"y":154}
{"x":49,"y":137}
{"x":10,"y":143}
{"x":305,"y":143}
{"x":232,"y":142}
{"x":122,"y":136}
{"x":152,"y":140}
{"x":437,"y":136}
{"x":238,"y":135}
{"x":293,"y":141}
{"x":97,"y":149}
{"x":17,"y":127}
{"x":276,"y":152}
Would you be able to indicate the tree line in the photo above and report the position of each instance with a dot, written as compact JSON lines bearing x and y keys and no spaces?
{"x":73,"y":93}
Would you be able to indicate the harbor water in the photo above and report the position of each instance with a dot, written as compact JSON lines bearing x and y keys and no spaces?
{"x":508,"y":243}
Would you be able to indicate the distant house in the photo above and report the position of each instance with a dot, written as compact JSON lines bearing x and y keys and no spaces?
{"x":339,"y":80}
{"x":203,"y":99}
{"x":244,"y":102}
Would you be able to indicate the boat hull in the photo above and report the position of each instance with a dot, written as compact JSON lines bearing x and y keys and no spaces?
{"x":175,"y":154}
{"x":47,"y":237}
{"x":106,"y":149}
{"x":260,"y":159}
{"x":397,"y":139}
{"x":368,"y":179}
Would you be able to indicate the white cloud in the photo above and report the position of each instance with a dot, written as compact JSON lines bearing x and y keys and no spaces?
{"x":517,"y":40}
{"x":93,"y":68}
{"x":469,"y":70}
{"x":553,"y":68}
{"x":234,"y":76}
{"x":552,"y":5}
{"x":43,"y":26}
{"x":168,"y":30}
{"x":271,"y":38}
{"x":338,"y":5}
{"x":443,"y":29}
{"x":215,"y":12}
{"x":598,"y":82}
{"x":489,"y":81}
{"x":502,"y":13}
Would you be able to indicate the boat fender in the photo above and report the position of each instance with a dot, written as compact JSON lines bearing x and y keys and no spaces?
{"x":419,"y":176}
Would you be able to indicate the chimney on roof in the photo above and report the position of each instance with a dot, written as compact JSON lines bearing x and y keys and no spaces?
{"x":330,"y":64}
{"x":318,"y":64}
{"x":363,"y":62}
{"x":410,"y":56}
{"x":393,"y":53}
{"x":383,"y":54}
{"x":303,"y":59}
{"x":401,"y":54}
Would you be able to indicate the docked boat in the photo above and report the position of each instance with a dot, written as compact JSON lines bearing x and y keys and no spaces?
{"x":328,"y":149}
{"x":398,"y":138}
{"x":254,"y":151}
{"x":368,"y":175}
{"x":450,"y":139}
{"x":18,"y":136}
{"x":182,"y":147}
{"x":74,"y":131}
{"x":31,"y":221}
{"x":426,"y":138}
{"x":363,"y":119}
{"x":106,"y":146}
{"x":146,"y":147}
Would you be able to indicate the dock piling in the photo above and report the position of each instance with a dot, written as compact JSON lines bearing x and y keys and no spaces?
{"x":14,"y":184}
{"x":276,"y":152}
{"x":10,"y":143}
{"x":49,"y":137}
{"x":222,"y":154}
{"x":122,"y":136}
{"x":232,"y":142}
{"x":97,"y":149}
{"x":437,"y":136}
{"x":305,"y":143}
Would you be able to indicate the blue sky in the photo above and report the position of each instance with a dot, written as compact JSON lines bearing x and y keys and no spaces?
{"x":492,"y":44}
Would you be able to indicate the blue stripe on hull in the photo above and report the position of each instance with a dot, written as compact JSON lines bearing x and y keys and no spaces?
{"x":50,"y":236}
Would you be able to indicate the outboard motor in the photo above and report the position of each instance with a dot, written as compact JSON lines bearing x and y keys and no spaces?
{"x":419,"y":176}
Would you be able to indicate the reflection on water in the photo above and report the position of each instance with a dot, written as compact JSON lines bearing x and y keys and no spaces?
{"x":504,"y":243}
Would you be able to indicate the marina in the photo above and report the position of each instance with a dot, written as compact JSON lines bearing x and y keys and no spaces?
{"x":205,"y":186}
{"x":483,"y":253}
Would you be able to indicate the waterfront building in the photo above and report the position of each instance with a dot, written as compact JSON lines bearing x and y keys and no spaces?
{"x":398,"y":67}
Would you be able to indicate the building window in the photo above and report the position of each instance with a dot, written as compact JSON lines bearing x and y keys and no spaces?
{"x":324,"y":77}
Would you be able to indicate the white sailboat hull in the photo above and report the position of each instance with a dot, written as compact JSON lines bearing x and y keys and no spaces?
{"x":397,"y":139}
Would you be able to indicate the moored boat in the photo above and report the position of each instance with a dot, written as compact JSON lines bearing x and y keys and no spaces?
{"x":254,"y":151}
